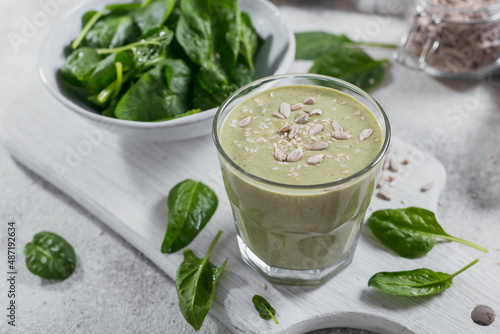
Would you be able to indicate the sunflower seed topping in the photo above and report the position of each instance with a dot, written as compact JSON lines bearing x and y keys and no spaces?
{"x":244,"y":122}
{"x":295,"y":155}
{"x":279,"y":155}
{"x":284,"y":129}
{"x":297,"y":106}
{"x":285,"y":109}
{"x":302,"y":119}
{"x":278,"y":115}
{"x":321,"y":145}
{"x":315,"y":159}
{"x":315,"y":129}
{"x":316,"y":112}
{"x":341,"y":135}
{"x":294,"y":130}
{"x":337,"y":126}
{"x":365,"y":134}
{"x":309,"y":100}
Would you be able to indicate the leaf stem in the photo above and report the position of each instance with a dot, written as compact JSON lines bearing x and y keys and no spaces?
{"x":465,"y":268}
{"x":212,"y":247}
{"x":154,"y":61}
{"x":465,"y":242}
{"x":126,"y":47}
{"x":272,"y":316}
{"x":145,"y":3}
{"x":119,"y":78}
{"x":106,"y":93}
{"x":87,"y":28}
{"x":374,"y":44}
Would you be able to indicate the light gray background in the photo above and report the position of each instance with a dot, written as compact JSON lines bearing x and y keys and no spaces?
{"x":117,"y":290}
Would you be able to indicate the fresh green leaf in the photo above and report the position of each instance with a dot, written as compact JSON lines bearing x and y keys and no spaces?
{"x":249,"y":40}
{"x":157,"y":94}
{"x":153,"y":15}
{"x":410,"y":232}
{"x":88,"y":20}
{"x":266,"y":311}
{"x":210,"y":31}
{"x":311,"y":45}
{"x":122,"y":7}
{"x":194,"y":32}
{"x":352,"y":65}
{"x":111,"y":32}
{"x":414,"y":283}
{"x":151,"y":46}
{"x":50,"y":256}
{"x":226,"y":25}
{"x":191,"y":204}
{"x":110,"y":93}
{"x":105,"y":71}
{"x":196,"y":281}
{"x":87,"y":17}
{"x":79,"y":64}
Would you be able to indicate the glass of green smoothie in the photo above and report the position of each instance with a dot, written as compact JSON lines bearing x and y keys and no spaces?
{"x":300,"y":155}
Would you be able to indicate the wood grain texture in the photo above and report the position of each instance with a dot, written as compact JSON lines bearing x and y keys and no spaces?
{"x":124,"y":182}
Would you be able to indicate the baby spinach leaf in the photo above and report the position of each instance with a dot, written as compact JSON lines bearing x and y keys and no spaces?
{"x":78,"y":65}
{"x":352,"y":65}
{"x":194,"y":32}
{"x":87,"y":17}
{"x":311,"y":45}
{"x":210,"y":29}
{"x":157,"y":94}
{"x":122,"y":7}
{"x":249,"y":40}
{"x":111,"y":31}
{"x":151,"y":46}
{"x":88,"y":21}
{"x":266,"y":311}
{"x":105,"y":71}
{"x":410,"y":232}
{"x":196,"y":281}
{"x":414,"y":283}
{"x":226,"y":25}
{"x":153,"y":15}
{"x":50,"y":256}
{"x":191,"y":204}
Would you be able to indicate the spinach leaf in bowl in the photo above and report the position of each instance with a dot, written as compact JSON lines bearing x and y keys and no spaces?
{"x":160,"y":93}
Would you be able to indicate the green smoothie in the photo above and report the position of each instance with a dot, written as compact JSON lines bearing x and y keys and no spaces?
{"x":253,"y":146}
{"x":291,"y":143}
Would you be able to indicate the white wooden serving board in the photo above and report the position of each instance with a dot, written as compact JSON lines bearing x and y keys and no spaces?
{"x":125,"y":182}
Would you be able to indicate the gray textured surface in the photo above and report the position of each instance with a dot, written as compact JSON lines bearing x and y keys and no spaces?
{"x":116,"y":290}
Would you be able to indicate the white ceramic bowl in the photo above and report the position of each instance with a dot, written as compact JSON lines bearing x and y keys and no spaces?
{"x":274,"y":57}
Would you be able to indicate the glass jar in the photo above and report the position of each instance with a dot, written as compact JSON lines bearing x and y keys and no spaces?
{"x":452,"y":38}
